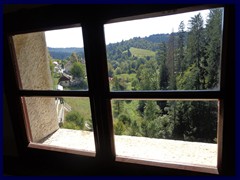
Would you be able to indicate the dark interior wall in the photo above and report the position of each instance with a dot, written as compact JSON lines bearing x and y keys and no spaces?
{"x":20,"y":7}
{"x":9,"y":141}
{"x":53,"y":163}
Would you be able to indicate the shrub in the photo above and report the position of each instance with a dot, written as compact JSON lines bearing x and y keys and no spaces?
{"x":119,"y":128}
{"x":124,"y":118}
{"x":74,"y":120}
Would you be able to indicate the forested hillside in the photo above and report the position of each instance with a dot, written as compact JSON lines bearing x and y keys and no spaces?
{"x":64,"y":53}
{"x":184,"y":60}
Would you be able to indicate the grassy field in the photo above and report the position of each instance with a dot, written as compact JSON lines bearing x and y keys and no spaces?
{"x":141,"y":52}
{"x":55,"y":82}
{"x":81,"y":105}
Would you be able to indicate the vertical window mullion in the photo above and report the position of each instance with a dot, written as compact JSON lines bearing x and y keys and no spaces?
{"x":227,"y":150}
{"x":220,"y":133}
{"x":94,"y":44}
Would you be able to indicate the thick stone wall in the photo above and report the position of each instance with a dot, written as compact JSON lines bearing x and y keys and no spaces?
{"x":33,"y":64}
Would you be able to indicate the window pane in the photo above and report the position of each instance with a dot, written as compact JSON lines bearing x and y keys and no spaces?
{"x":176,"y":52}
{"x":63,"y":122}
{"x":167,"y":131}
{"x":51,"y":60}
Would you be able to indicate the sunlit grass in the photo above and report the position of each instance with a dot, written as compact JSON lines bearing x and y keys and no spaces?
{"x":81,"y":105}
{"x":141,"y":52}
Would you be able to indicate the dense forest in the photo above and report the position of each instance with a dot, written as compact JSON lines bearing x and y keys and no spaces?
{"x":183,"y":60}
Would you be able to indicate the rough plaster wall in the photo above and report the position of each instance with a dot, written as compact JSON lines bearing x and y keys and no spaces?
{"x":32,"y":61}
{"x":33,"y":64}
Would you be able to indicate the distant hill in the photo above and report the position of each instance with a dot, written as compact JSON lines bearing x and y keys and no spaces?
{"x":156,"y":38}
{"x":64,"y":53}
{"x":115,"y":50}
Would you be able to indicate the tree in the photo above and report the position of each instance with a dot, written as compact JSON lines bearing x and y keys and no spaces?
{"x":129,"y":54}
{"x":135,"y":84}
{"x":177,"y":112}
{"x":77,"y":70}
{"x":118,"y":107}
{"x":73,"y":57}
{"x":187,"y":80}
{"x":161,"y":56}
{"x":180,"y":65}
{"x":201,"y":120}
{"x":125,"y":67}
{"x":74,"y":120}
{"x":196,"y":49}
{"x":141,"y":107}
{"x":119,"y":127}
{"x":118,"y":71}
{"x":148,"y":76}
{"x":124,"y":118}
{"x":118,"y":84}
{"x":135,"y":129}
{"x":161,"y":53}
{"x":110,"y":70}
{"x":144,"y":129}
{"x":170,"y":62}
{"x":151,"y":110}
{"x":213,"y":48}
{"x":160,"y":128}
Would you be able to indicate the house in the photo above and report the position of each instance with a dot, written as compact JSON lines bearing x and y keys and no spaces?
{"x":65,"y":80}
{"x":57,"y":67}
{"x":55,"y":63}
{"x":59,"y":87}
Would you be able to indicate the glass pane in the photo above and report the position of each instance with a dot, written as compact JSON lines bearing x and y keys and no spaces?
{"x":175,"y":52}
{"x":167,"y":131}
{"x":51,"y":60}
{"x":63,"y":122}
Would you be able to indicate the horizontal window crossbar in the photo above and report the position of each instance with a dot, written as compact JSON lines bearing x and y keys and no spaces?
{"x":167,"y":95}
{"x":51,"y":93}
{"x":130,"y":94}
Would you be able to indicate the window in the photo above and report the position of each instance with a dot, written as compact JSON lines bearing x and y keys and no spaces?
{"x":57,"y":122}
{"x":131,"y":105}
{"x":151,"y":58}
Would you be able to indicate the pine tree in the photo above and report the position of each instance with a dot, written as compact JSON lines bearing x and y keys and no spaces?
{"x":196,"y":45}
{"x":163,"y":73}
{"x":214,"y":32}
{"x":148,"y":76}
{"x":151,"y":112}
{"x":73,"y":57}
{"x":163,"y":70}
{"x":118,"y":105}
{"x":170,"y":62}
{"x":180,"y":65}
{"x":129,"y":53}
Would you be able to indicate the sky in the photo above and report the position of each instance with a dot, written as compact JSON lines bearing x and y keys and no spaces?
{"x":116,"y":32}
